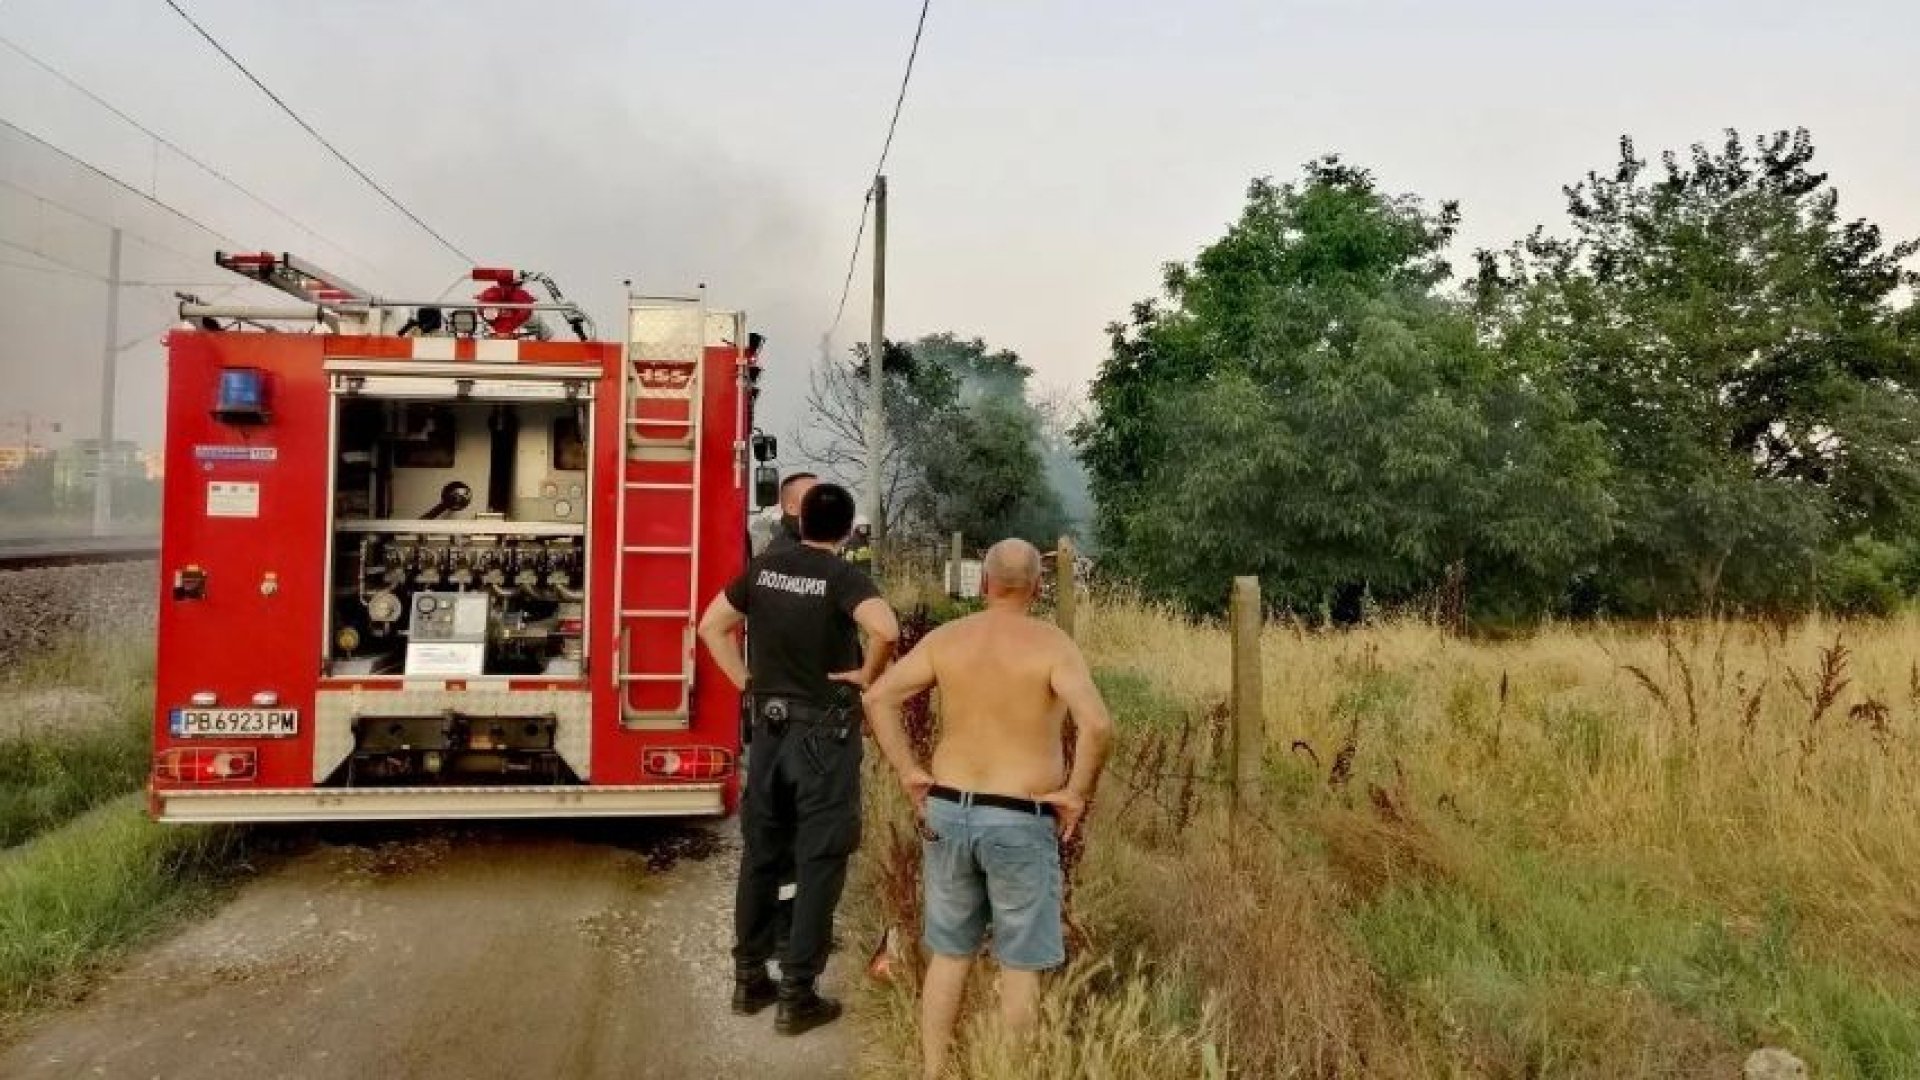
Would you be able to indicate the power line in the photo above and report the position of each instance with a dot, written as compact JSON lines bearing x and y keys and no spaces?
{"x":169,"y":144}
{"x":64,"y":266}
{"x":321,"y":139}
{"x":900,"y":101}
{"x":116,"y":182}
{"x":886,"y":147}
{"x":105,"y":224}
{"x":67,"y":269}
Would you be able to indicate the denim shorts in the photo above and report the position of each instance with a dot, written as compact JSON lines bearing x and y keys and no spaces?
{"x":986,"y":866}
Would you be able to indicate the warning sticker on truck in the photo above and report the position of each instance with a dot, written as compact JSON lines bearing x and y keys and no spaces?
{"x":233,"y":499}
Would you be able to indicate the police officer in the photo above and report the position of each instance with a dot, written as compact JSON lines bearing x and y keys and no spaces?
{"x":786,"y":537}
{"x":805,"y":608}
{"x":786,"y":534}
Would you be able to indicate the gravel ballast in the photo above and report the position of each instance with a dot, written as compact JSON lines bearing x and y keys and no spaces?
{"x":45,"y":608}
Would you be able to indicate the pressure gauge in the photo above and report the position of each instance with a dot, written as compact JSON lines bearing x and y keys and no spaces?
{"x":383,"y":607}
{"x":427,"y":605}
{"x":562,"y":509}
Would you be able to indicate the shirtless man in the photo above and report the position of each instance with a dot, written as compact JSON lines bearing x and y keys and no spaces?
{"x":998,"y":797}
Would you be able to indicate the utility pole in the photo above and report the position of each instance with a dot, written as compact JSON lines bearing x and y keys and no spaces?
{"x":109,"y":357}
{"x":876,"y":374}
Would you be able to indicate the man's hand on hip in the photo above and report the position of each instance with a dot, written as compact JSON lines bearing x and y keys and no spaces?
{"x":915,"y":782}
{"x":1069,"y":808}
{"x":857,"y":677}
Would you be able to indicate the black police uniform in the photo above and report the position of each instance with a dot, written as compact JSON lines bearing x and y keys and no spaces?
{"x":786,"y":536}
{"x":801,"y":809}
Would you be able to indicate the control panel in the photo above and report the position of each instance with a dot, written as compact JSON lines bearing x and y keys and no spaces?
{"x":447,"y":634}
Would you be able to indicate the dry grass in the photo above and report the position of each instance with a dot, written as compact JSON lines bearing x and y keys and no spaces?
{"x":1629,"y":850}
{"x":1599,"y":850}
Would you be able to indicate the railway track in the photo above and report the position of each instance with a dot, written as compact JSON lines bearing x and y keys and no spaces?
{"x":81,"y":551}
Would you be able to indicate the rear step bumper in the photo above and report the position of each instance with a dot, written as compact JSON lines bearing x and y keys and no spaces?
{"x":437,"y":803}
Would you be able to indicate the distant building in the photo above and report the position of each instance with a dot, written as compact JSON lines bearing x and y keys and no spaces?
{"x":76,"y":465}
{"x":15,"y":456}
{"x":23,"y":439}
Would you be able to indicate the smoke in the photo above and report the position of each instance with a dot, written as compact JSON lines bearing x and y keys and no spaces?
{"x":1060,"y":409}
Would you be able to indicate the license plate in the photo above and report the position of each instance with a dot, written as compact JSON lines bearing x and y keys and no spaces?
{"x":235,"y":723}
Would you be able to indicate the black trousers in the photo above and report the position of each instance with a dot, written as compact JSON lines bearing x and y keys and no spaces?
{"x":800,"y":818}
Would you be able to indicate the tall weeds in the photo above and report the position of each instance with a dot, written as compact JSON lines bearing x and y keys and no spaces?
{"x":1602,"y":849}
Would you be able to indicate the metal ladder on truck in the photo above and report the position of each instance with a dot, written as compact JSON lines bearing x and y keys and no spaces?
{"x":657,"y":580}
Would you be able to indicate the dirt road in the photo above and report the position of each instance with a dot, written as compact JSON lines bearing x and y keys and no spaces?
{"x":499,"y":952}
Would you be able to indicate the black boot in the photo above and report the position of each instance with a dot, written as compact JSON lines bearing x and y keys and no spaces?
{"x":801,"y":1009}
{"x":753,"y":990}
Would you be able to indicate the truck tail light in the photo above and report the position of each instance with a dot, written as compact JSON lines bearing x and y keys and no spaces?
{"x":266,"y":699}
{"x":207,"y":764}
{"x":205,"y":699}
{"x":689,"y":763}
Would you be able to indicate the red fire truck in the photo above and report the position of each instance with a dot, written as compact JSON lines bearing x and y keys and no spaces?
{"x":420,"y":560}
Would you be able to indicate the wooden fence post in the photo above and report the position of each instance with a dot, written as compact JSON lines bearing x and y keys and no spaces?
{"x":1065,"y":592}
{"x":954,"y":579}
{"x":1249,"y":731}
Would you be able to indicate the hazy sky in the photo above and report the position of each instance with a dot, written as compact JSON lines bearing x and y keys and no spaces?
{"x":1052,"y":154}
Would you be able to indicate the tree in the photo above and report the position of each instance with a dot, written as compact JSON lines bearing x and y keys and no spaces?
{"x":989,"y":481}
{"x":964,"y":447}
{"x":920,"y":402}
{"x":1738,"y":343}
{"x":1306,"y":406}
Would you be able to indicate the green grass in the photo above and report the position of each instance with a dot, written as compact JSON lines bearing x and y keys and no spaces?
{"x":74,"y":899}
{"x":55,"y":767}
{"x":1495,"y":964}
{"x":86,"y":874}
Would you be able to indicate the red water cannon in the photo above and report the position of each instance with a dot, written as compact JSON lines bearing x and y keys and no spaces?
{"x":503,"y":322}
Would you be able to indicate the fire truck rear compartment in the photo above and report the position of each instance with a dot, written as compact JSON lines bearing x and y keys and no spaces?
{"x":460,"y":535}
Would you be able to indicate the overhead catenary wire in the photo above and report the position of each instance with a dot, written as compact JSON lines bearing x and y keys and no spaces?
{"x":60,"y":266}
{"x":91,"y":275}
{"x":93,"y":219}
{"x":162,"y":140}
{"x":116,"y":182}
{"x":886,"y":147}
{"x":321,"y":139}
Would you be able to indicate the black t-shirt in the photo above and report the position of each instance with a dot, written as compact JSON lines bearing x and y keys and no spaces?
{"x":785,"y":538}
{"x":799,"y":605}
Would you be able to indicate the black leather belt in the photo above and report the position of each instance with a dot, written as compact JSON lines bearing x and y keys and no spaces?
{"x":778,"y":712}
{"x":998,"y":802}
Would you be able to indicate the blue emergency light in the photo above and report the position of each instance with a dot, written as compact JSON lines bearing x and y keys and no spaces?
{"x":242,"y":397}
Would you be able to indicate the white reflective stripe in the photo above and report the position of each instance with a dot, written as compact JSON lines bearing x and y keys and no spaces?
{"x":433,"y":348}
{"x":497,"y":350}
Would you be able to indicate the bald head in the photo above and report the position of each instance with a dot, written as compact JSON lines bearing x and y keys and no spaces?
{"x":1012,"y":568}
{"x":793,"y":490}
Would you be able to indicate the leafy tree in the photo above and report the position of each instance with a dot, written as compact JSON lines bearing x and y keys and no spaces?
{"x":964,"y":448}
{"x":920,"y":400}
{"x":1307,"y":406}
{"x":1737,"y":342}
{"x":989,"y":481}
